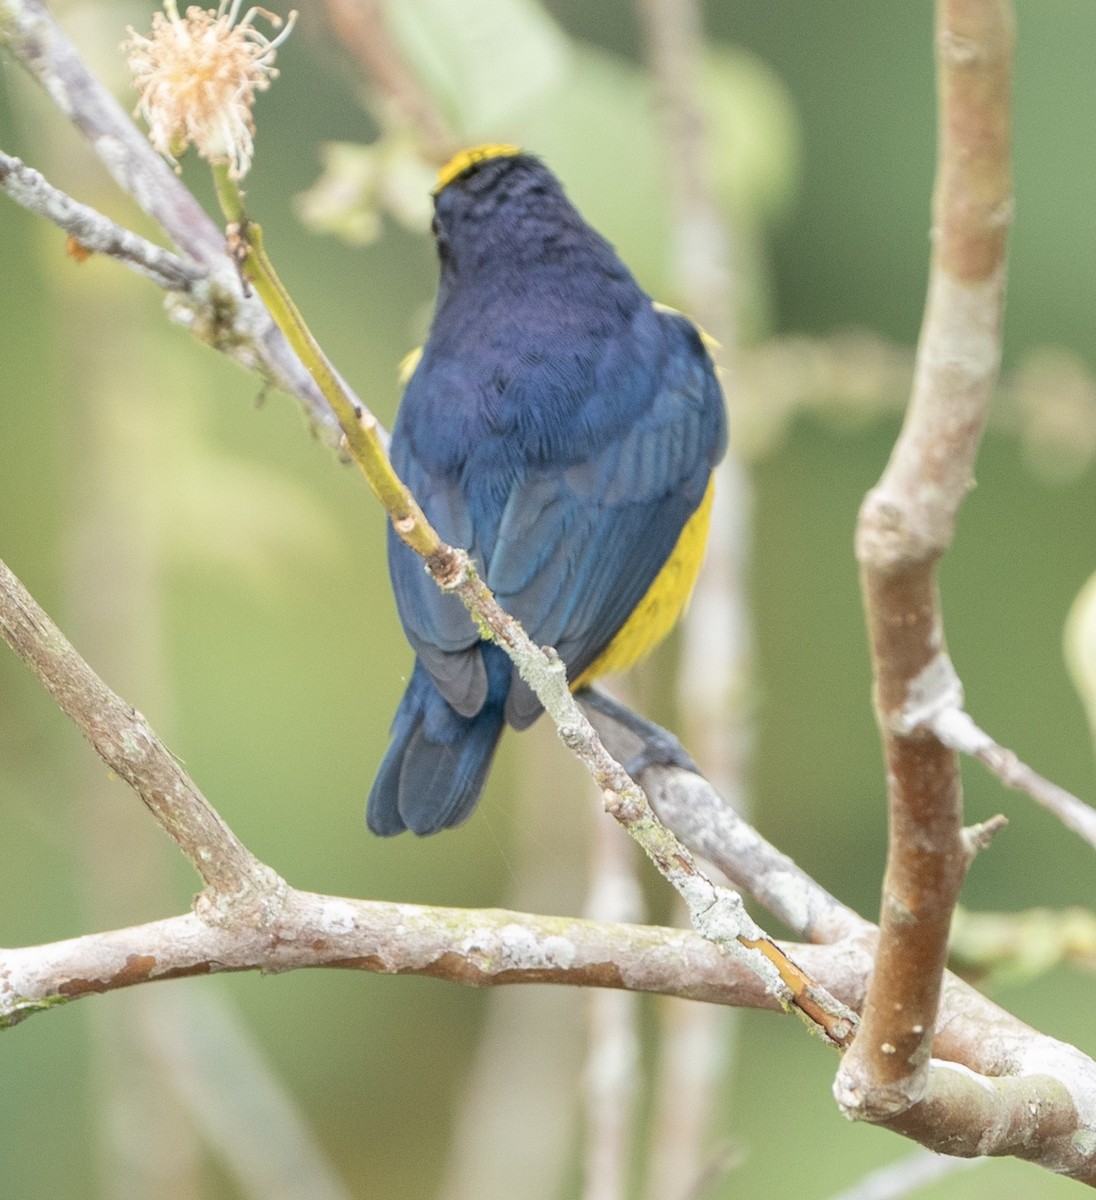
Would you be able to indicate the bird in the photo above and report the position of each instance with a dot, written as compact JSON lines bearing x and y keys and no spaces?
{"x":561,"y":427}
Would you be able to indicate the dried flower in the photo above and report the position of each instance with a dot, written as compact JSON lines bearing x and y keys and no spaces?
{"x":197,"y":76}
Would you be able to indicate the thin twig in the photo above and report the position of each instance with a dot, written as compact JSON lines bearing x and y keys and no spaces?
{"x":526,"y":1029}
{"x":711,"y":828}
{"x":934,"y":706}
{"x":33,"y":35}
{"x":94,"y":232}
{"x":956,"y":729}
{"x":219,"y":1071}
{"x":906,"y":1175}
{"x":906,"y":523}
{"x":1023,"y":944}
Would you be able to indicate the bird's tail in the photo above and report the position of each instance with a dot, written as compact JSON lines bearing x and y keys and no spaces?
{"x":436,"y":766}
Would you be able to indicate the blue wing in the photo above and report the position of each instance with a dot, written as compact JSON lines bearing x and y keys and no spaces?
{"x":604,"y":529}
{"x":437,"y":625}
{"x":570,"y":541}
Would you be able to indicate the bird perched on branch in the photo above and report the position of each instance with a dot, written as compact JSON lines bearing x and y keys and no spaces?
{"x":563,"y":429}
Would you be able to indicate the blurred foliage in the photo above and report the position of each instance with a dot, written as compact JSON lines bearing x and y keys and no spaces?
{"x":1004,"y":948}
{"x":283,"y":656}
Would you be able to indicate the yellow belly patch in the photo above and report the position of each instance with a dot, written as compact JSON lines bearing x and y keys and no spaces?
{"x":663,"y":602}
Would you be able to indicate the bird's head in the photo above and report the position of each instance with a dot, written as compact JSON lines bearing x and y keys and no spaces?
{"x":499,"y":209}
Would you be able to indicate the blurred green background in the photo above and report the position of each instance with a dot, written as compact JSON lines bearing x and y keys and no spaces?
{"x":224,"y":574}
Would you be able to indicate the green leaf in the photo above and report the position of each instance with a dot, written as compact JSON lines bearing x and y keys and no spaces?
{"x":487,"y":62}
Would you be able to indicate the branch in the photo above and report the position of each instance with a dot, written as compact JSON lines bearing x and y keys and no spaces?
{"x":476,"y":948}
{"x":92,"y":231}
{"x":905,"y":1176}
{"x":956,"y":729}
{"x":1041,"y":1104}
{"x":612,"y":1071}
{"x":711,"y":828}
{"x":906,"y":523}
{"x":236,"y":879}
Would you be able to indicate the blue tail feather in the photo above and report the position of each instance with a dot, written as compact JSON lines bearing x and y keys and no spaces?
{"x":435,"y":768}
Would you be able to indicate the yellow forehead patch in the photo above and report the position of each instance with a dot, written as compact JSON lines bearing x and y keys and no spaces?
{"x":464,"y":160}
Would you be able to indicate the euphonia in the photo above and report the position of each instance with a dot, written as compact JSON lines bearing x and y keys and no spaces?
{"x":563,"y":429}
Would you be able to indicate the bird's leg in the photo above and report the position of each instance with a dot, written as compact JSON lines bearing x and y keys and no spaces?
{"x":656,"y":746}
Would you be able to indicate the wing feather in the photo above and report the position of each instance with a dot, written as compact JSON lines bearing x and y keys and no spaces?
{"x":570,"y":549}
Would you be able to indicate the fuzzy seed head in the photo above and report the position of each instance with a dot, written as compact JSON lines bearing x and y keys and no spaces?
{"x":197,"y":76}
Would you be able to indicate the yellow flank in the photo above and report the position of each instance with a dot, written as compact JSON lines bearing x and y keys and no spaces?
{"x":464,"y":160}
{"x":710,"y":343}
{"x":408,"y":364}
{"x":663,"y":602}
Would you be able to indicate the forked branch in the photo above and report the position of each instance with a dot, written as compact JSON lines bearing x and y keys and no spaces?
{"x":906,"y":523}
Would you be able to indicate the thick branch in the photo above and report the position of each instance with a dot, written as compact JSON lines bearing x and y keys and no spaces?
{"x":479,"y":948}
{"x":125,"y":742}
{"x":1032,"y":1097}
{"x":905,"y":524}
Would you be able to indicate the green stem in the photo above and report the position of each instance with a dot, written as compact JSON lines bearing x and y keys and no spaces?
{"x":229,"y":196}
{"x":358,"y":426}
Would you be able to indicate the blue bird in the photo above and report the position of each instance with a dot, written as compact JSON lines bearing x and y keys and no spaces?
{"x":563,"y":429}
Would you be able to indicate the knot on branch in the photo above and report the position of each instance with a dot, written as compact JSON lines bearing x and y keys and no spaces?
{"x":862,"y":1095}
{"x":627,"y":806}
{"x":259,"y":903}
{"x":450,"y":568}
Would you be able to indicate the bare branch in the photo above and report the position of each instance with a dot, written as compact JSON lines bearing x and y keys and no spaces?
{"x":906,"y":523}
{"x":229,"y":1092}
{"x":956,"y":729}
{"x":1040,"y":1102}
{"x":94,"y":232}
{"x":125,"y":742}
{"x":41,"y":45}
{"x":477,"y":948}
{"x":934,"y":706}
{"x":1023,"y":944}
{"x":711,"y":828}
